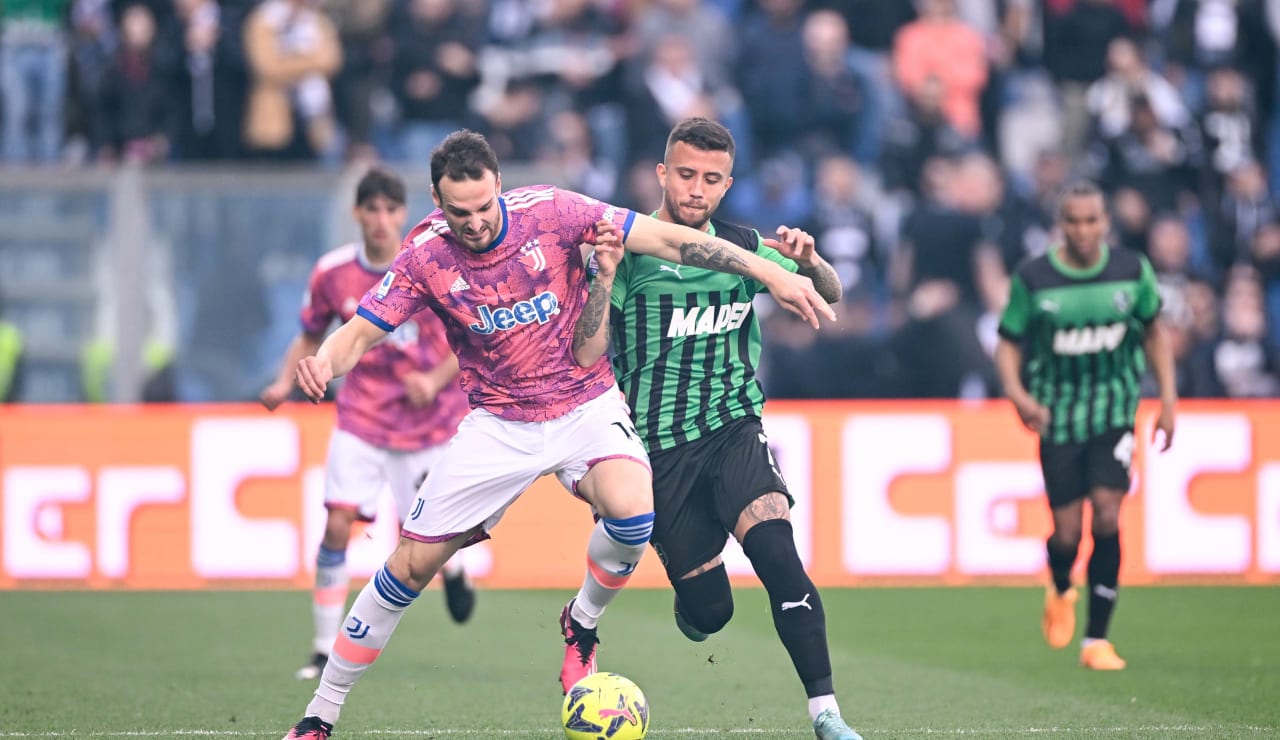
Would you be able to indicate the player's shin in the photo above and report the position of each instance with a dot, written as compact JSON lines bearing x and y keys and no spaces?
{"x":329,"y":597}
{"x":798,"y":615}
{"x":614,"y":550}
{"x":368,"y":627}
{"x":1104,"y":577}
{"x":1062,"y":557}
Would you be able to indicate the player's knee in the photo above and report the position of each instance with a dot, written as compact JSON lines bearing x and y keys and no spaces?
{"x":1066,"y":538}
{"x":415,"y":563}
{"x":619,"y":488}
{"x":337,"y":528}
{"x":706,"y":600}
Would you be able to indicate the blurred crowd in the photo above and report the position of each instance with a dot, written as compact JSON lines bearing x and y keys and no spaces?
{"x":921,"y":142}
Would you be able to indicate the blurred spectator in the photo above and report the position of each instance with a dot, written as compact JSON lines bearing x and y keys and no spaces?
{"x":1244,"y":361}
{"x":1226,"y":128}
{"x":949,"y":277}
{"x":922,"y":134}
{"x":134,"y":117}
{"x":771,"y":73}
{"x":572,"y":53}
{"x":939,"y":46}
{"x":1110,"y":100}
{"x":670,"y":87}
{"x":1245,"y":208}
{"x":1159,"y":162}
{"x":872,"y":25}
{"x":570,"y":151}
{"x":1131,"y":219}
{"x":702,"y":24}
{"x":1076,"y":42}
{"x":836,"y":112}
{"x":293,"y":53}
{"x":842,"y":228}
{"x":363,"y":27}
{"x":33,"y":78}
{"x":203,"y":51}
{"x":93,"y":44}
{"x":433,"y":73}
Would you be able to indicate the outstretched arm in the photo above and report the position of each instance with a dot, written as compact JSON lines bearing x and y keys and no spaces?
{"x":337,"y":355}
{"x":676,"y":243}
{"x":798,"y":245}
{"x":303,"y":345}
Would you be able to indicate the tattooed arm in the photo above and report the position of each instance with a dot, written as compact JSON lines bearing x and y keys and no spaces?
{"x":591,"y":334}
{"x":688,"y":246}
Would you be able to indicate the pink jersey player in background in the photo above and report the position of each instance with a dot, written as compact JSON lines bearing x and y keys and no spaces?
{"x":397,"y":409}
{"x":510,"y":276}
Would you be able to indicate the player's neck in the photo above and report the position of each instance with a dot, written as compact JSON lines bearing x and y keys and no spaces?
{"x":376,"y":259}
{"x":1073,"y":261}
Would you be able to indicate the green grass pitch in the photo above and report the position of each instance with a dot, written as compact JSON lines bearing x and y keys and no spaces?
{"x":1204,"y":662}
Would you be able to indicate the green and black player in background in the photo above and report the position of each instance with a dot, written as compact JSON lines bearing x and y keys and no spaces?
{"x":686,"y":344}
{"x":1080,"y":325}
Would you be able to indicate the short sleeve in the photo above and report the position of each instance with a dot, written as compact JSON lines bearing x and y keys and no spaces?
{"x":396,"y":297}
{"x":1017,"y":313}
{"x":1147,"y":302}
{"x":317,"y":311}
{"x":580,"y":213}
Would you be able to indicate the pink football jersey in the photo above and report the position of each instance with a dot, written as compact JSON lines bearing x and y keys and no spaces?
{"x":372,"y":403}
{"x":509,"y":311}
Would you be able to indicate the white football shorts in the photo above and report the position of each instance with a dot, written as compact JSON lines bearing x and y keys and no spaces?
{"x":356,"y":473}
{"x":491,"y":461}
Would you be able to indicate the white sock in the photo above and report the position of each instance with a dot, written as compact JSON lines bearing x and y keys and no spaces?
{"x":329,"y":597}
{"x":820,"y":704}
{"x":614,"y":550}
{"x":366,"y":630}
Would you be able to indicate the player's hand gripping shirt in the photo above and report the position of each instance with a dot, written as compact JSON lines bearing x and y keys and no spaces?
{"x":510,"y":311}
{"x":687,"y":342}
{"x":1082,"y":332}
{"x":372,"y":402}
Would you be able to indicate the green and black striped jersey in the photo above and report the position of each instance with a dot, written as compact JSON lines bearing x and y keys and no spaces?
{"x":686,"y":342}
{"x":1081,"y":333}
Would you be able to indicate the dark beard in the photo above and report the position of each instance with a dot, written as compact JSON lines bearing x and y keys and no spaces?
{"x":673,"y":210}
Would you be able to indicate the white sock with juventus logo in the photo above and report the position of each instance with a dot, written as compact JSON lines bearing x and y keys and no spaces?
{"x":368,"y":627}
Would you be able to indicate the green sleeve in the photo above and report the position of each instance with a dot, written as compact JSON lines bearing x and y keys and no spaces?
{"x":622,"y":282}
{"x":1017,"y":313}
{"x":1147,"y":304}
{"x":773,"y":255}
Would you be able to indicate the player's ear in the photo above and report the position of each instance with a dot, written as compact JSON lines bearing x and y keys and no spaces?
{"x":728,"y":183}
{"x":661,"y":171}
{"x":497,"y":179}
{"x":435,"y":197}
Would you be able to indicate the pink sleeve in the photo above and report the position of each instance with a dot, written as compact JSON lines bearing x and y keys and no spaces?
{"x":587,"y":211}
{"x":317,"y":312}
{"x":396,"y":297}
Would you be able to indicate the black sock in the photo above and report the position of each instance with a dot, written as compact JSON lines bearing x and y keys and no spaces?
{"x":797,"y":608}
{"x":1060,"y":561}
{"x":1104,"y":574}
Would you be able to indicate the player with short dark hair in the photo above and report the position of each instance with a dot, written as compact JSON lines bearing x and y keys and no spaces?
{"x":686,"y":346}
{"x":510,"y":276}
{"x":1080,"y":324}
{"x":396,"y":412}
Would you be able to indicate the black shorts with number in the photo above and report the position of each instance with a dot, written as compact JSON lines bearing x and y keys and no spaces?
{"x":701,"y":487}
{"x":1074,"y":469}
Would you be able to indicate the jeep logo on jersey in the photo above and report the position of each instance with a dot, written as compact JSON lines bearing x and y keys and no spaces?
{"x":707,"y":319}
{"x":1088,"y":339}
{"x":540,"y":308}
